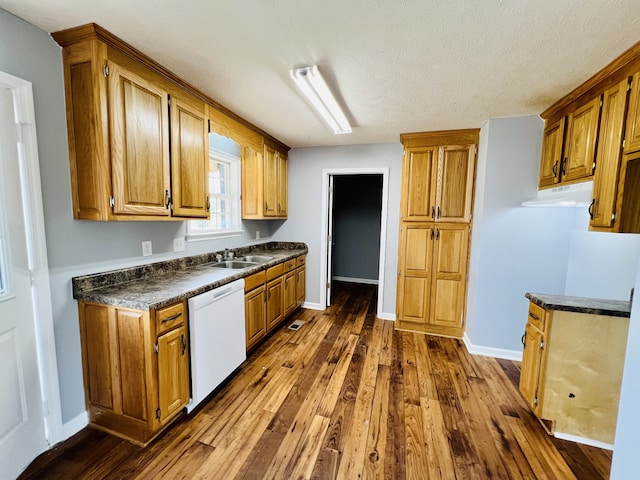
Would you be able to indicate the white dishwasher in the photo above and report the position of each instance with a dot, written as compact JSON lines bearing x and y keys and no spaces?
{"x":217,"y":338}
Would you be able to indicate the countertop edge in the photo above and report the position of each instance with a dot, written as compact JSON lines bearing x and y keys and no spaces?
{"x":591,"y":306}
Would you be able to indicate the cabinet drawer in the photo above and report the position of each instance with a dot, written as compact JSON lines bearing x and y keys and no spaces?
{"x":289,"y":265}
{"x":169,"y":317}
{"x":301,"y":260}
{"x":275,"y":271}
{"x":255,"y":280}
{"x":536,"y":316}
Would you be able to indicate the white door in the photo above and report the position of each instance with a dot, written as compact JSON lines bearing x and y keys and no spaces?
{"x":22,"y":427}
{"x":330,"y":241}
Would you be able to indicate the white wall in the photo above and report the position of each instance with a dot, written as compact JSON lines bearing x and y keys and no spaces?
{"x":625,"y":452}
{"x":513,"y":249}
{"x":305,"y":206}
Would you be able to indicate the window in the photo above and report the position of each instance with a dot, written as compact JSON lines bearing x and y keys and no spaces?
{"x":224,"y":199}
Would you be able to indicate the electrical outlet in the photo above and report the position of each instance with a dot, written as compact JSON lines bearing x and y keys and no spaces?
{"x":146,"y":249}
{"x":178,"y":244}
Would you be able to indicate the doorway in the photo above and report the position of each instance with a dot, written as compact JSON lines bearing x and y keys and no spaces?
{"x":31,"y":418}
{"x":354,"y":206}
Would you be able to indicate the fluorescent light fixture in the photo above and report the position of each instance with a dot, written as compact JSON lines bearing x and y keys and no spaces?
{"x":311,"y":83}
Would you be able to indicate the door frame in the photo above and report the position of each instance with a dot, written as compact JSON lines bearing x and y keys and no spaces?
{"x":324,"y":231}
{"x":24,"y":113}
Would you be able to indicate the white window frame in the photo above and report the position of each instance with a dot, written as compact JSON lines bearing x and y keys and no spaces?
{"x":233,"y":184}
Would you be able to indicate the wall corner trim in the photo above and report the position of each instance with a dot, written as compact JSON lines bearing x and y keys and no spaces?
{"x":73,"y":426}
{"x":491,"y":351}
{"x":387,"y":316}
{"x":313,"y":306}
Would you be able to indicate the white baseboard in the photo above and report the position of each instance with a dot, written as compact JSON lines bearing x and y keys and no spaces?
{"x":367,"y":281}
{"x":387,"y":316}
{"x":313,"y":306}
{"x":492,"y":351}
{"x":585,"y":441}
{"x":73,"y":426}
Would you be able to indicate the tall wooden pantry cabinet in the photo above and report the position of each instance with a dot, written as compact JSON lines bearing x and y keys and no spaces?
{"x":438,"y":173}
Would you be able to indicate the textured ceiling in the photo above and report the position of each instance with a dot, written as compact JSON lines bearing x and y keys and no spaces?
{"x":395,"y":65}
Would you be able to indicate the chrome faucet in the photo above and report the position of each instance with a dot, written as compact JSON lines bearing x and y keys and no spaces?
{"x":229,"y":254}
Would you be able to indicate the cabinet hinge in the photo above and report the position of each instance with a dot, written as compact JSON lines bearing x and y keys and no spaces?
{"x":613,"y":216}
{"x":623,"y":142}
{"x":156,"y":347}
{"x":601,"y":103}
{"x":542,"y":345}
{"x":593,"y":167}
{"x":105,"y":70}
{"x":112,"y":202}
{"x":629,"y":85}
{"x":475,"y":150}
{"x":535,"y":400}
{"x":158,"y":413}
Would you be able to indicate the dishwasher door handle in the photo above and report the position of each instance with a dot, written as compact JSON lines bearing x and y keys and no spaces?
{"x":221,"y":292}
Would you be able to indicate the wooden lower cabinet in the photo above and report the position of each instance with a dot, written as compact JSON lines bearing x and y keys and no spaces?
{"x":572,"y":371}
{"x":271,"y":296}
{"x":432,"y":278}
{"x":135,"y":367}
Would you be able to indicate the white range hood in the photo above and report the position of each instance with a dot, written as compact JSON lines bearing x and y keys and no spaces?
{"x":574,"y":195}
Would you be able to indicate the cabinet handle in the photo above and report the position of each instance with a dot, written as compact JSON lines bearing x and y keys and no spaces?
{"x":433,"y":212}
{"x":534,"y":316}
{"x":555,"y":169}
{"x":437,"y":234}
{"x":167,"y":199}
{"x":266,"y":206}
{"x":591,"y":205}
{"x":438,"y":216}
{"x":431,"y":233}
{"x":524,"y":336}
{"x":279,"y":208}
{"x":565,"y":160}
{"x":172,"y":318}
{"x":208,"y":203}
{"x":184,"y":344}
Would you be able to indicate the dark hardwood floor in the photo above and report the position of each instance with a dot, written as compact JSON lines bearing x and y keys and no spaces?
{"x":345,"y":397}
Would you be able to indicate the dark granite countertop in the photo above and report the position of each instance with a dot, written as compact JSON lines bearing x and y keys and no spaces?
{"x":157,"y":285}
{"x":593,"y":306}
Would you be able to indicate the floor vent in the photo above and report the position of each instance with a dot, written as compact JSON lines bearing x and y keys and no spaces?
{"x":296,"y":325}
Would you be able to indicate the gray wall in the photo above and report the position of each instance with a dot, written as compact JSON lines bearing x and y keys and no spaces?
{"x":513,"y":249}
{"x":80,"y":247}
{"x":305,"y":206}
{"x":357,"y":204}
{"x":625,"y":452}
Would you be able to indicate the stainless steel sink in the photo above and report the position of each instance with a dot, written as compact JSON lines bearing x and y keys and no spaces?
{"x":255,"y":258}
{"x":230,"y":264}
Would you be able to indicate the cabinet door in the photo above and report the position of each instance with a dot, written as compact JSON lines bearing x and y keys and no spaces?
{"x":551,"y":161}
{"x":419,"y":172}
{"x":282,"y":199}
{"x":255,"y":315}
{"x":530,"y":368}
{"x":252,"y":183}
{"x":301,"y":285}
{"x":580,"y":149}
{"x":605,"y":182}
{"x":173,"y":373}
{"x":632,"y":136}
{"x":414,"y":272}
{"x":270,"y":182}
{"x":275,"y":302}
{"x":456,"y":172}
{"x":290,"y":297}
{"x":189,"y":160}
{"x":450,"y":252}
{"x":139,"y":144}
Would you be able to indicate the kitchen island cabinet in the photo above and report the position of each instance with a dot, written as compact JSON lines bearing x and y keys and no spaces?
{"x":572,"y":364}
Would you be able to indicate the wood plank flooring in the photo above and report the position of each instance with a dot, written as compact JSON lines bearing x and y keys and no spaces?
{"x":345,"y":397}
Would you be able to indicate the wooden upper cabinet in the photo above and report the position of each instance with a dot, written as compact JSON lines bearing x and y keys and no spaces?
{"x":437,"y":180}
{"x":139,"y":144}
{"x":582,"y":133}
{"x":264,"y":183}
{"x":189,"y":160}
{"x":608,"y":157}
{"x":552,"y":141}
{"x":632,"y":136}
{"x":419,"y":179}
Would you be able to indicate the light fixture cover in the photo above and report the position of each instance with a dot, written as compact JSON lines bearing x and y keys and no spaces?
{"x":310,"y":82}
